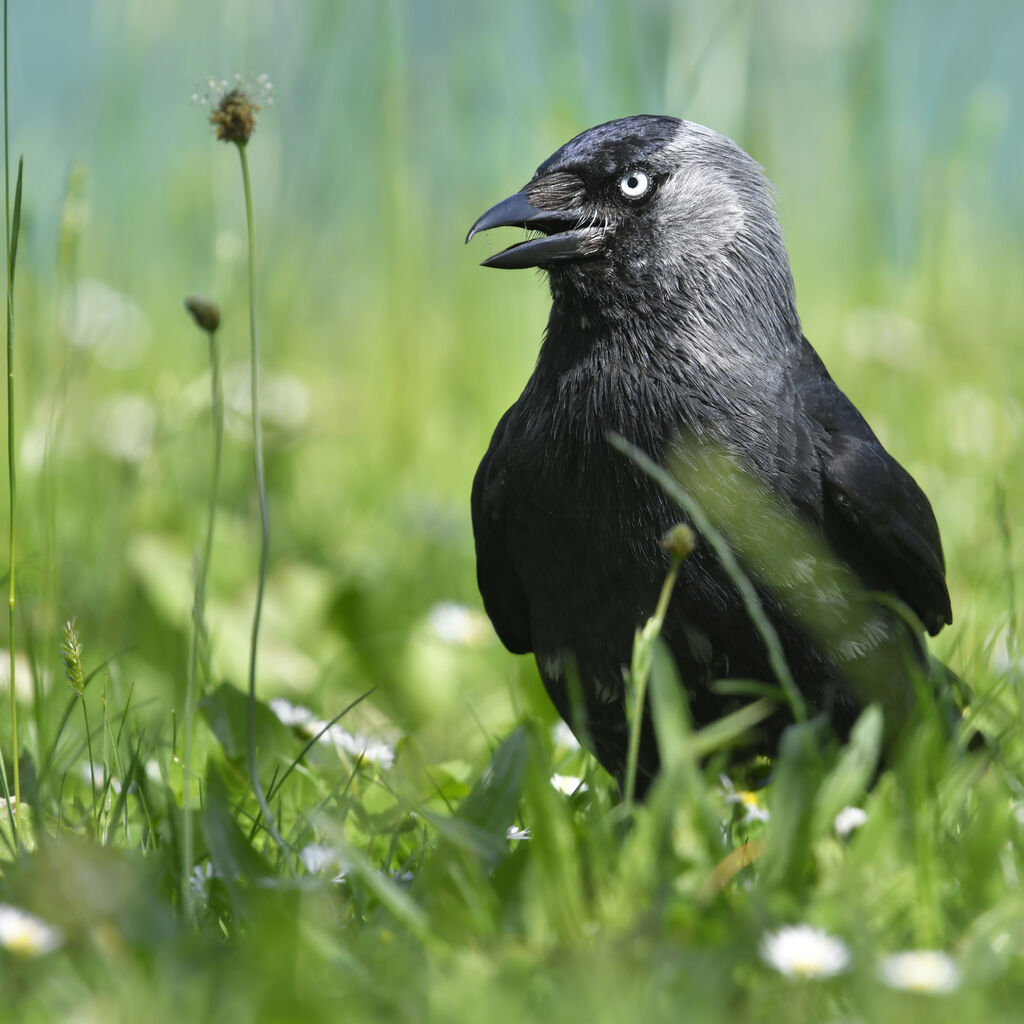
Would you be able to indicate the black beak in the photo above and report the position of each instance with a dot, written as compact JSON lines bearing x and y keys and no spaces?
{"x":565,"y":238}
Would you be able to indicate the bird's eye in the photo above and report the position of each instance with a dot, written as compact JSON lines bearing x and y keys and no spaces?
{"x":634,"y":184}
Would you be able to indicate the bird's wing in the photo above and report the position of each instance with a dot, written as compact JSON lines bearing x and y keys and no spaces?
{"x":876,"y":517}
{"x":500,"y":586}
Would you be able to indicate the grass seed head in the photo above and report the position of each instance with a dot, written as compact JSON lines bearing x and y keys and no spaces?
{"x":679,"y":542}
{"x":234,"y":106}
{"x":71,"y":649}
{"x":234,"y":118}
{"x":205,"y":313}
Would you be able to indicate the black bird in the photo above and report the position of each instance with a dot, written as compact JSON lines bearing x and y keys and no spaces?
{"x":673,"y":324}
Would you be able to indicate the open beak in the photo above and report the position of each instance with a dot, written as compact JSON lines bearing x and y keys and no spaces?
{"x":565,"y":239}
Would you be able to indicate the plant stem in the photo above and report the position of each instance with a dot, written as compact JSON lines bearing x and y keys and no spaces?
{"x":198,"y":615}
{"x":92,"y":766}
{"x":11,"y":237}
{"x":747,"y":590}
{"x":217,"y":413}
{"x":640,"y":671}
{"x":261,"y":487}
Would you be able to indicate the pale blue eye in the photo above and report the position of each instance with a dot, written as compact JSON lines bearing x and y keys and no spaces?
{"x":634,"y":184}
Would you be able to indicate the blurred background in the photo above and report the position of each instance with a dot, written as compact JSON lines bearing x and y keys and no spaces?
{"x":892,"y":131}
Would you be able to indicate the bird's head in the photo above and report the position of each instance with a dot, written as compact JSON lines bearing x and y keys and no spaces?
{"x":647,"y":204}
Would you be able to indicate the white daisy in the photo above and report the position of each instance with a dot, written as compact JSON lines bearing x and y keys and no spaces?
{"x":568,"y":784}
{"x":458,"y":625}
{"x":321,"y":859}
{"x":285,"y":405}
{"x":920,"y":970}
{"x":376,"y":751}
{"x":562,"y":736}
{"x":800,"y":951}
{"x":293,"y":715}
{"x":199,"y":880}
{"x":95,"y":773}
{"x":848,"y":819}
{"x":107,"y":322}
{"x":126,"y":427}
{"x":24,"y":934}
{"x":745,"y":798}
{"x":297,"y":717}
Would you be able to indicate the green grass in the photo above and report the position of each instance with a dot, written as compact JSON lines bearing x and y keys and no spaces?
{"x":388,"y":356}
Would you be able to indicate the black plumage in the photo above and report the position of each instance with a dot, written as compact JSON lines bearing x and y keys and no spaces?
{"x":674,"y":324}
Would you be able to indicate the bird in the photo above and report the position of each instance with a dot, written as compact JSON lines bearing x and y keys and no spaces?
{"x":673,"y":326}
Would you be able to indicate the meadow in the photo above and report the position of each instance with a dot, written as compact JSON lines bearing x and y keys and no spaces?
{"x":445,"y":850}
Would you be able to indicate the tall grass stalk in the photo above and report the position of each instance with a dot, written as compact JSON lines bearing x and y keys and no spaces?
{"x":71,"y":650}
{"x":210,"y":324}
{"x":11,"y":226}
{"x":1012,"y":634}
{"x":261,"y":489}
{"x":679,"y":543}
{"x":731,"y":565}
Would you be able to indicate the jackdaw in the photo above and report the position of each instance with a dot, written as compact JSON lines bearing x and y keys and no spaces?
{"x":673,"y":324}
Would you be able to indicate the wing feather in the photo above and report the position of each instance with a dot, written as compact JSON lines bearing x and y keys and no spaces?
{"x":874,"y":514}
{"x":500,"y":586}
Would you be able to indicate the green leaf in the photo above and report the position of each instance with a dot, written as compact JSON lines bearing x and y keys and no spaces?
{"x":733,"y":726}
{"x":234,"y":859}
{"x":480,"y":825}
{"x":669,"y":711}
{"x":797,"y":771}
{"x":681,"y":778}
{"x":486,"y":848}
{"x":493,"y":801}
{"x":225,"y":712}
{"x":849,"y":779}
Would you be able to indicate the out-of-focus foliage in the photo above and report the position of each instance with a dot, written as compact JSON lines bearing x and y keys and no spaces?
{"x":894,"y":134}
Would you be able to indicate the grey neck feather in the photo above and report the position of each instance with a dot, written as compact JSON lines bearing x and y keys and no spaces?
{"x":711,"y":285}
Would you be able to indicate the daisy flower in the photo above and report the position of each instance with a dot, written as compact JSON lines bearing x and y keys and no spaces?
{"x":920,"y":970}
{"x":321,"y":859}
{"x":800,"y":951}
{"x":568,"y":784}
{"x":24,"y":934}
{"x":295,"y":716}
{"x":562,"y":736}
{"x":746,"y":799}
{"x":848,"y":819}
{"x":363,"y":747}
{"x":458,"y":625}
